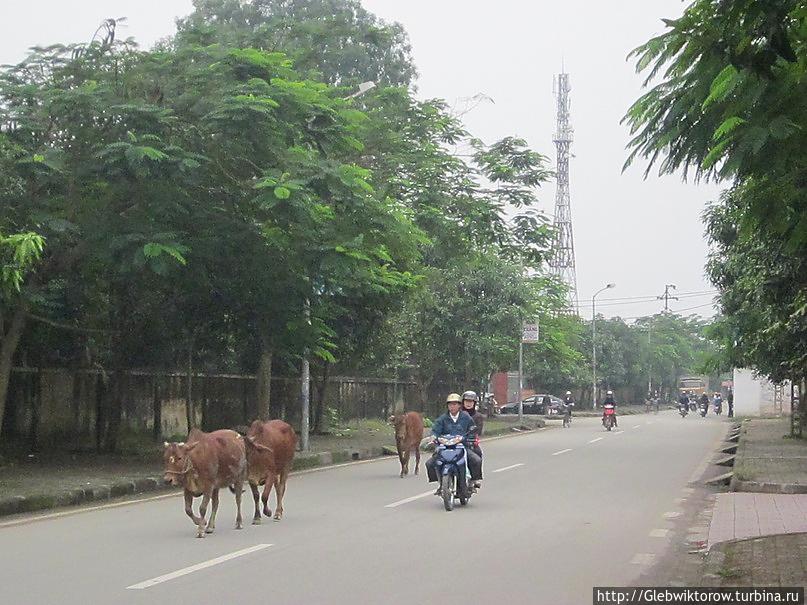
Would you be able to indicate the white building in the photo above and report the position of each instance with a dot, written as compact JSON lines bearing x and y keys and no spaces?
{"x":758,"y":396}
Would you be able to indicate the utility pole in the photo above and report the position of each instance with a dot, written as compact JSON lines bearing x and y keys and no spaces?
{"x":562,"y":260}
{"x":666,"y":297}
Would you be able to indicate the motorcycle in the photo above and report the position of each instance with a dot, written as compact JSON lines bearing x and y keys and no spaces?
{"x":693,"y":406}
{"x":683,"y":409}
{"x":704,"y":409}
{"x":452,"y":468}
{"x":718,"y":408}
{"x":609,"y":413}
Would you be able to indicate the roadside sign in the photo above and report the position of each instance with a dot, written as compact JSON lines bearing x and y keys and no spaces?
{"x":529,"y":333}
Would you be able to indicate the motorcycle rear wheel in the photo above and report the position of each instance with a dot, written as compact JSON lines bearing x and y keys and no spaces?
{"x":447,"y":486}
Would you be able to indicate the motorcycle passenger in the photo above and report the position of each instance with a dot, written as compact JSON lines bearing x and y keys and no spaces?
{"x":454,"y":422}
{"x":568,"y":404}
{"x":469,"y":401}
{"x":609,"y":400}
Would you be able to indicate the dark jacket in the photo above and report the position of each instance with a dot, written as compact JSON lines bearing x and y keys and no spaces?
{"x":445,"y":426}
{"x":479,"y":420}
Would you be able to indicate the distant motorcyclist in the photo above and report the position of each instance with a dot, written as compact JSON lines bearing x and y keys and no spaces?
{"x":704,"y":402}
{"x":568,"y":403}
{"x":454,"y":422}
{"x":683,"y":400}
{"x":717,"y":402}
{"x":469,"y":403}
{"x":609,"y":400}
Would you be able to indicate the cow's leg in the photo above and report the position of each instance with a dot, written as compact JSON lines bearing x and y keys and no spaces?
{"x":417,"y":458}
{"x":267,"y":489}
{"x":256,"y":519}
{"x":280,"y":491}
{"x":400,"y":447}
{"x":189,"y":509}
{"x":405,"y":463}
{"x":203,"y":513}
{"x":239,"y":489}
{"x":211,"y":525}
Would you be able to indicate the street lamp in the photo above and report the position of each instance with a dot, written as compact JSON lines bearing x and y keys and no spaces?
{"x":594,"y":343}
{"x":363,"y":88}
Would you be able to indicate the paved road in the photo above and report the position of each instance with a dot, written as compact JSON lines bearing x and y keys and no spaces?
{"x":572,"y":509}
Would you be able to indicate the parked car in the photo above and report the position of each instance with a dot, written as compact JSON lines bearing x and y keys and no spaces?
{"x":534,"y":404}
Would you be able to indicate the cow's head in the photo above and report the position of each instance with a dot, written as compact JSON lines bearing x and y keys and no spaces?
{"x":400,"y":425}
{"x":176,"y":462}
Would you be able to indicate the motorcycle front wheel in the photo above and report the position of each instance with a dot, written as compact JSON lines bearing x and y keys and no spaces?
{"x":447,"y":486}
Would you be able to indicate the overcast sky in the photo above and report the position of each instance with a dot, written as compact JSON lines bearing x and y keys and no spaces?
{"x":638,"y":233}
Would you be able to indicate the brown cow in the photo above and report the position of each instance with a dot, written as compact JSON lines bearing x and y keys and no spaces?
{"x":203,"y":465}
{"x":408,"y":435}
{"x":270,"y":453}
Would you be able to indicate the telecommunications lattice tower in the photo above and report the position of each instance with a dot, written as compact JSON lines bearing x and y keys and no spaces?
{"x":562,"y":260}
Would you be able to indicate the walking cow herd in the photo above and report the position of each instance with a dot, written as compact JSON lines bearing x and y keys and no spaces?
{"x":207,"y":462}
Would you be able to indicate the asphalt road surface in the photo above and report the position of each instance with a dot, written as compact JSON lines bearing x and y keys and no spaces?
{"x":561,"y":511}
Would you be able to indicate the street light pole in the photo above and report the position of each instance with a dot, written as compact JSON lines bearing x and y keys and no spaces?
{"x":594,"y":344}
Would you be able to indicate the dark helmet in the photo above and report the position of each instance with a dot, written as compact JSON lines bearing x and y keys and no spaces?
{"x":470,"y":395}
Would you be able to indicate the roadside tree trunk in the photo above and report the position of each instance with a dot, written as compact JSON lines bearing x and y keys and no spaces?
{"x":10,"y":341}
{"x":319,"y":404}
{"x":263,"y":383}
{"x":189,"y":388}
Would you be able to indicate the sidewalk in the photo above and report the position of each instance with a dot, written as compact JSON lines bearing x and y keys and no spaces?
{"x":56,"y":479}
{"x":758,"y":532}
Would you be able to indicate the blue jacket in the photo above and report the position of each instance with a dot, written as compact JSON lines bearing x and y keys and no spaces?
{"x":445,"y":426}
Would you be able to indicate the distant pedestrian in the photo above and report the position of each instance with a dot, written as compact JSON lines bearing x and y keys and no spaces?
{"x":730,"y":399}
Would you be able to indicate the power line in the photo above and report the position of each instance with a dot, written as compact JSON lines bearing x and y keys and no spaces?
{"x":675,"y":311}
{"x":641,"y":299}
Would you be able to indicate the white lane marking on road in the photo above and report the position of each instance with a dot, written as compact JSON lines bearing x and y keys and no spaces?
{"x":644,"y":559}
{"x":543,"y":428}
{"x":561,"y":452}
{"x":204,"y":565}
{"x":596,"y":440}
{"x":507,"y":468}
{"x":673,"y":515}
{"x":637,"y":426}
{"x":411,"y":499}
{"x":659,"y":533}
{"x":618,"y":432}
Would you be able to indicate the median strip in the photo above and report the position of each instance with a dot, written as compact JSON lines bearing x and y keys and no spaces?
{"x":199,"y":566}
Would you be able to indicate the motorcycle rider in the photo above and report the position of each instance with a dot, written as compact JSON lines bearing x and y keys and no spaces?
{"x":568,"y":403}
{"x":609,"y":400}
{"x":683,"y":401}
{"x":469,"y":403}
{"x":454,"y":422}
{"x":704,"y":401}
{"x":718,"y":403}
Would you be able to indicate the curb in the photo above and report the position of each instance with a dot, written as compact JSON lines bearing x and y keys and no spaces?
{"x":766,"y":487}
